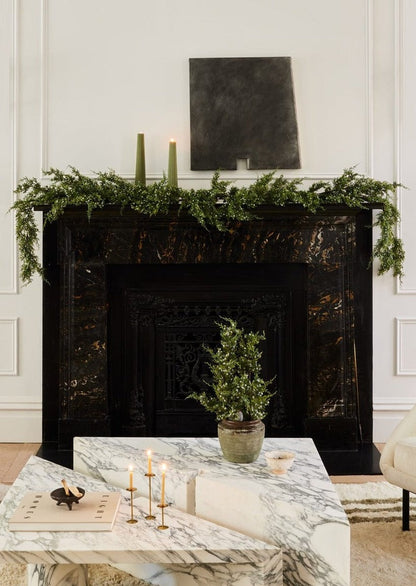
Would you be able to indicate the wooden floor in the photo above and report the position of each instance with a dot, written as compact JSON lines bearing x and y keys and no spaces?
{"x":14,"y":456}
{"x":12,"y":459}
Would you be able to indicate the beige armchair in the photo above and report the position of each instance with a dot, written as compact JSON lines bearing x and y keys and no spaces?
{"x":398,"y":460}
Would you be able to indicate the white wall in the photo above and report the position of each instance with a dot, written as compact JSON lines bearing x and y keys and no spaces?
{"x":80,"y":78}
{"x":395,"y":141}
{"x":20,"y":309}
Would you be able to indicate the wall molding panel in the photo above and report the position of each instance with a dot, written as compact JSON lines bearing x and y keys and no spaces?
{"x":402,"y":172}
{"x":8,"y":346}
{"x":406,"y":346}
{"x":369,"y":105}
{"x":399,"y":52}
{"x":8,"y":220}
{"x":44,"y":98}
{"x":12,"y":289}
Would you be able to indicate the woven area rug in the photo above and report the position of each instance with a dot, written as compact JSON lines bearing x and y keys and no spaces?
{"x":381,"y":553}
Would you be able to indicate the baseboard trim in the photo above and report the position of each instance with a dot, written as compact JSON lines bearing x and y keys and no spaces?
{"x":393,"y":404}
{"x":387,"y":413}
{"x":20,"y":426}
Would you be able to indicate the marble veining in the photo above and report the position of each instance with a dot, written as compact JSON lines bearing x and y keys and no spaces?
{"x":107,"y":459}
{"x":189,"y":542}
{"x":299,"y":512}
{"x":57,"y":575}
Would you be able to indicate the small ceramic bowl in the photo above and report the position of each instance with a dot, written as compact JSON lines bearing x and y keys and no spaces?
{"x":60,"y":496}
{"x":279,"y":461}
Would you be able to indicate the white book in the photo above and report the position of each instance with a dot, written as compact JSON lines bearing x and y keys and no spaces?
{"x":96,"y":511}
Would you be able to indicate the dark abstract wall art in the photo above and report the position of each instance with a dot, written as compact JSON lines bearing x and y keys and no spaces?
{"x":243,"y":108}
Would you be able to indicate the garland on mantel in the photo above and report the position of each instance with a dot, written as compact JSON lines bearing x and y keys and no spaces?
{"x":215,"y":206}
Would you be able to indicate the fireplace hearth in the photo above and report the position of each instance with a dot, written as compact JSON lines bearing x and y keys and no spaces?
{"x":131,"y":301}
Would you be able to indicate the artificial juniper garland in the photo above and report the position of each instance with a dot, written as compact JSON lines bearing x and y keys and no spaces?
{"x":216,"y":206}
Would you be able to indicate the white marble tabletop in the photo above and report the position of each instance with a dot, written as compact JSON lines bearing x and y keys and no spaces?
{"x":299,"y":511}
{"x":107,"y":458}
{"x":188,"y":540}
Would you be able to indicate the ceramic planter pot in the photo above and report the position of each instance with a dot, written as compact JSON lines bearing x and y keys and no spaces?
{"x":241,"y":441}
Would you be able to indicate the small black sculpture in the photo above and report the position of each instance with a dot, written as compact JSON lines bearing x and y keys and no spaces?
{"x":59,"y":495}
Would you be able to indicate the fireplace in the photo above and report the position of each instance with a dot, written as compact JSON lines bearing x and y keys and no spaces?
{"x":131,"y":301}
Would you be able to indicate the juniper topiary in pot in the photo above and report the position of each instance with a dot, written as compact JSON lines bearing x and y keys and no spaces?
{"x":240,"y":395}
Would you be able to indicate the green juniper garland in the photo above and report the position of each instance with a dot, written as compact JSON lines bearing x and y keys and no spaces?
{"x":239,"y":389}
{"x":215,"y":207}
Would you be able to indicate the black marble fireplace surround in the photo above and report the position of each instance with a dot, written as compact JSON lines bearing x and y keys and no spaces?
{"x":131,"y":300}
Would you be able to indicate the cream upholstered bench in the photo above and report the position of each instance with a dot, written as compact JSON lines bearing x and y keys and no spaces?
{"x":398,"y":461}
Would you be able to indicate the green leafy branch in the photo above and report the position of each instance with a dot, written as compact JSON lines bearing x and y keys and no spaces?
{"x":216,"y":206}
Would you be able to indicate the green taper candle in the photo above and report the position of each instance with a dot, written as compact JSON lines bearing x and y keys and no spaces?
{"x":140,"y":160}
{"x":172,"y":166}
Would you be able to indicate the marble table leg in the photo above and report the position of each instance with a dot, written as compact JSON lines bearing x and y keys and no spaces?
{"x":57,"y":575}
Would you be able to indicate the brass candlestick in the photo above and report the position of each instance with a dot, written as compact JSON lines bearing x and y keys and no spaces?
{"x":163,"y":507}
{"x":150,"y":517}
{"x":132,"y":519}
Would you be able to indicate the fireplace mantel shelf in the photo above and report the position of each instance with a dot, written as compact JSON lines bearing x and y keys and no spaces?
{"x":297,"y":209}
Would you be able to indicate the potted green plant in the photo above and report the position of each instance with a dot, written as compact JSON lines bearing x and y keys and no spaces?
{"x":240,"y":395}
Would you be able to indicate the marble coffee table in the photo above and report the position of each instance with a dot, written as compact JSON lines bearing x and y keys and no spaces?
{"x":191,"y":551}
{"x":299,"y":512}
